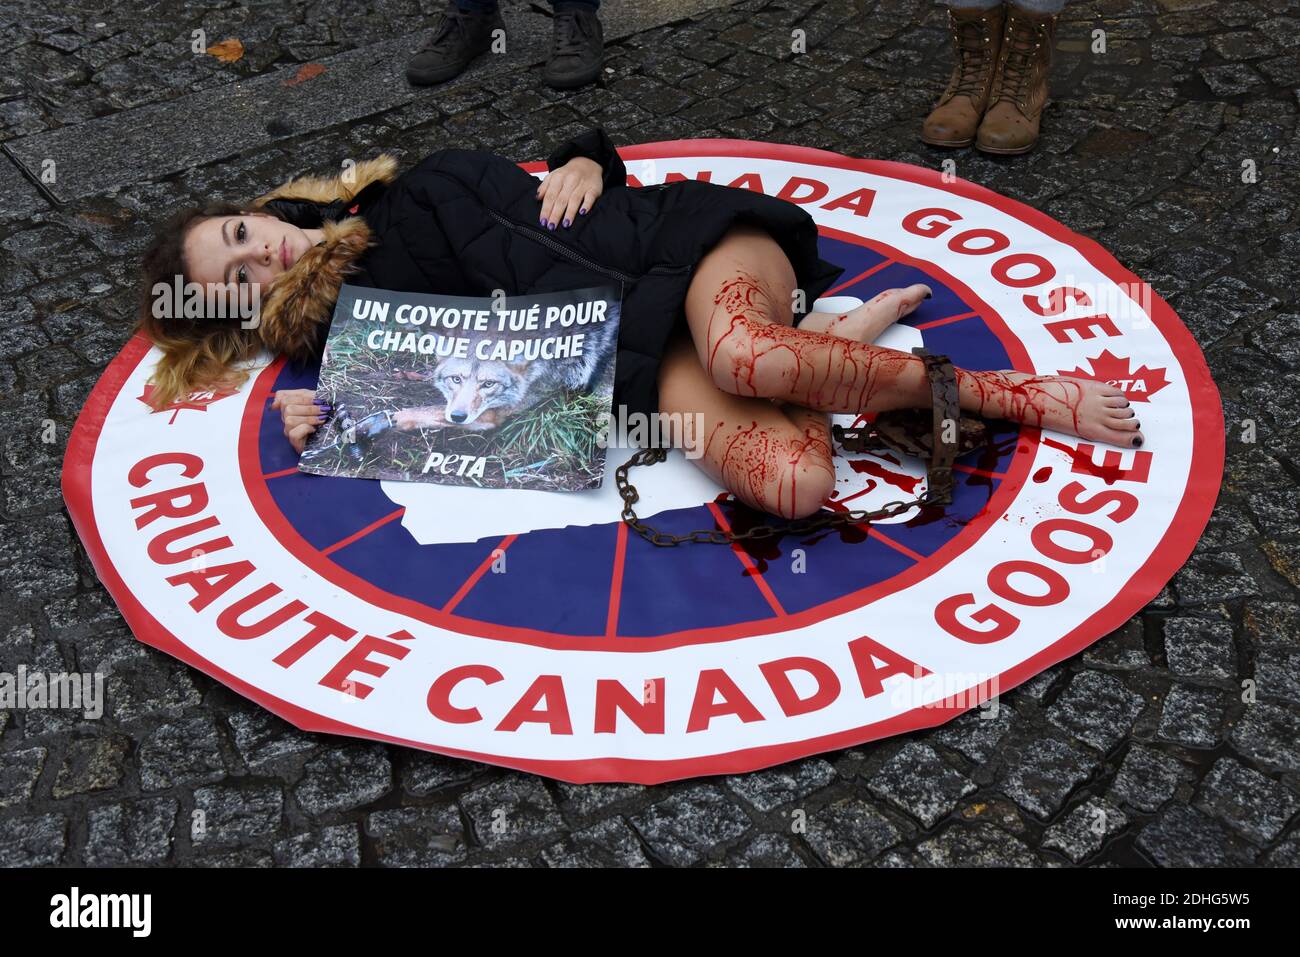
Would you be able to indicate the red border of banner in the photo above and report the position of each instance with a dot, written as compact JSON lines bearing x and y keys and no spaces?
{"x":1204,"y":479}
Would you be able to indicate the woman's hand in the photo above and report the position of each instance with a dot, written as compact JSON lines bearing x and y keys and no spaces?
{"x":300,"y":413}
{"x":569,"y":191}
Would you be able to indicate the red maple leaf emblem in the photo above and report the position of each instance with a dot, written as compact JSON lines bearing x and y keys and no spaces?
{"x":198,"y":400}
{"x":1139,"y":385}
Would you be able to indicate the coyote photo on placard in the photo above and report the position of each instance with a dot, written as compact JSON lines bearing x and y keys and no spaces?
{"x":481,"y":393}
{"x":531,"y":407}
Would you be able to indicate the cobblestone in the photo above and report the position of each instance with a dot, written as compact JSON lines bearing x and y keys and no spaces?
{"x":18,"y":773}
{"x":133,"y":832}
{"x":227,"y":814}
{"x":512,"y":810}
{"x":36,"y":840}
{"x":91,"y":764}
{"x":418,"y":837}
{"x":1192,"y":716}
{"x":850,"y":832}
{"x":185,"y":752}
{"x":768,"y":790}
{"x":1097,"y":709}
{"x":263,"y":740}
{"x":917,"y":780}
{"x":1147,"y":778}
{"x":1043,"y":777}
{"x":607,"y":844}
{"x":1083,"y":831}
{"x":1270,"y":735}
{"x":337,"y":778}
{"x":1199,"y":648}
{"x":425,"y":774}
{"x":685,"y":827}
{"x":764,"y":850}
{"x":336,"y":846}
{"x":977,"y":845}
{"x":976,"y":733}
{"x":1183,"y":837}
{"x":1247,"y":801}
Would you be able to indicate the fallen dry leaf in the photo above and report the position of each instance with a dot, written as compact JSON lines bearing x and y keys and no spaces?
{"x":227,"y":51}
{"x":305,"y":72}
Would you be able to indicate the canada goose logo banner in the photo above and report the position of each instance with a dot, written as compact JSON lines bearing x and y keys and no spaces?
{"x":529,"y":629}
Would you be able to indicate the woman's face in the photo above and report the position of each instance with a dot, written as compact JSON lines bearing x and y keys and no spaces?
{"x":247,"y":250}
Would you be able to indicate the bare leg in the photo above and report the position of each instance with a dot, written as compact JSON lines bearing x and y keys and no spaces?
{"x":739,"y":310}
{"x":869,"y":320}
{"x":773,"y":459}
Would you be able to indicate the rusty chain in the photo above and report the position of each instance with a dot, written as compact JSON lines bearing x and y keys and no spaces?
{"x":717,"y":536}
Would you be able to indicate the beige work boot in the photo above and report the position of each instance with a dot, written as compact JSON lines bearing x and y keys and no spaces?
{"x":976,"y":37}
{"x":1020,"y":89}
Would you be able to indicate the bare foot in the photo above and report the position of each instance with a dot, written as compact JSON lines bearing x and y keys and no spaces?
{"x":1082,"y":407}
{"x":869,"y":320}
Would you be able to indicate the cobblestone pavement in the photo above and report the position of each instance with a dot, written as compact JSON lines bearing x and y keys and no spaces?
{"x":1174,"y":741}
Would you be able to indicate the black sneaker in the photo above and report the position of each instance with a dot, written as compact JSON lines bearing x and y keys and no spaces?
{"x":577,"y":49}
{"x":460,"y":37}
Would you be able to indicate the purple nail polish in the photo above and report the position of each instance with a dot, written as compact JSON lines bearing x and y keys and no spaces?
{"x":567,"y":222}
{"x":550,"y":226}
{"x":542,"y":220}
{"x":320,"y":418}
{"x":583,"y":211}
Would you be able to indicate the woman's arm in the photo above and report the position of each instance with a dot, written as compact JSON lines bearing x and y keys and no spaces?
{"x":595,"y":146}
{"x":581,"y":170}
{"x":569,"y":192}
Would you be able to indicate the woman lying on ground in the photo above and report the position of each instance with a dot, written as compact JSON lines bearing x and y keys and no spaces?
{"x":466,"y":223}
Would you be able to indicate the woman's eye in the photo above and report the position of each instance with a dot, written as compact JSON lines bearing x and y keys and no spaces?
{"x":242,"y":275}
{"x":240,"y":232}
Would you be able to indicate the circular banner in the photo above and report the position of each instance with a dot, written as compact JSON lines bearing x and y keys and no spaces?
{"x":529,"y":629}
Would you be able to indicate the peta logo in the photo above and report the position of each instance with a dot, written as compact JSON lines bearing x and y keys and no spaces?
{"x":468,"y":466}
{"x":1139,"y":384}
{"x":102,"y":910}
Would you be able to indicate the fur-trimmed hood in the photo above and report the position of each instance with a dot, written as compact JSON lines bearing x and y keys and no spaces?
{"x":303,"y":298}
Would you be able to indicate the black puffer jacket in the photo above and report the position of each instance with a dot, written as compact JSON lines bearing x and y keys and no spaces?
{"x":466,"y":222}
